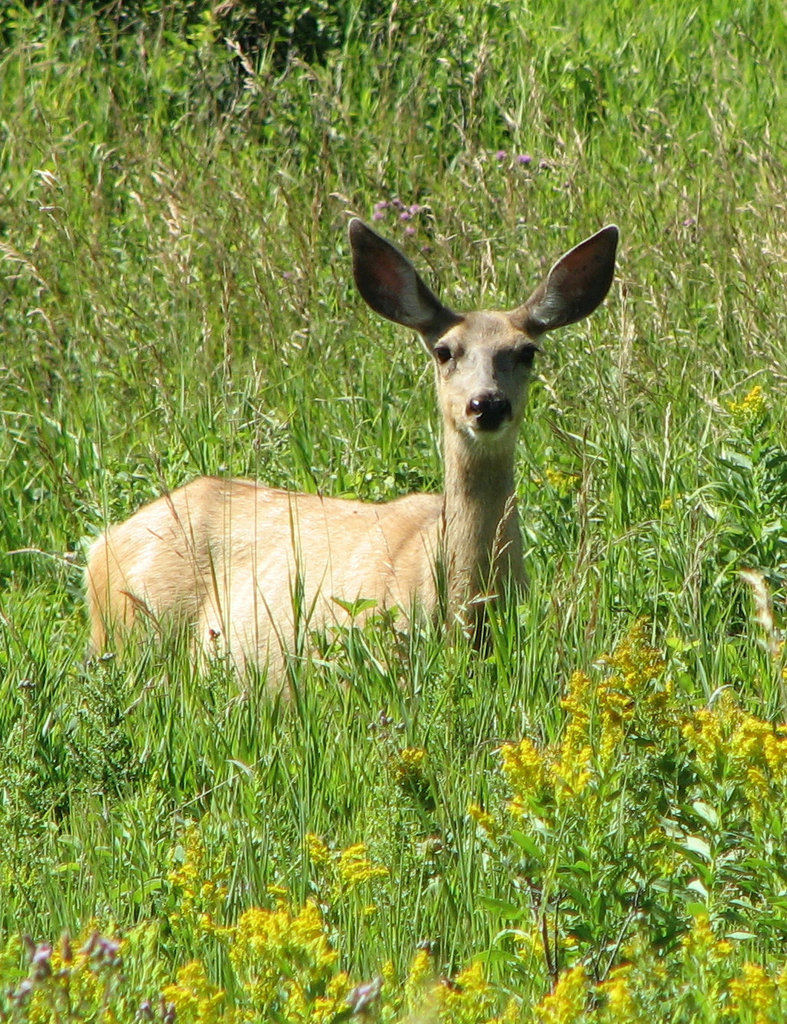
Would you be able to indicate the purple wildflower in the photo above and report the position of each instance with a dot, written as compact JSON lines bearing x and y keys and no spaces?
{"x":109,"y":949}
{"x":362,"y":996}
{"x":22,"y":991}
{"x":524,"y":159}
{"x":41,"y":962}
{"x":100,"y":948}
{"x":501,"y":154}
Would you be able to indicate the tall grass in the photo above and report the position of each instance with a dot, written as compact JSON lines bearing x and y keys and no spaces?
{"x":176,"y":300}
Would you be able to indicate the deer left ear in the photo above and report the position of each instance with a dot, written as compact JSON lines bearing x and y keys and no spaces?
{"x":574,"y":287}
{"x":392,"y":287}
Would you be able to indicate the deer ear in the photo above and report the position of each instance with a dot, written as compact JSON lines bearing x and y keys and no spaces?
{"x":391,"y":286}
{"x":574,"y":287}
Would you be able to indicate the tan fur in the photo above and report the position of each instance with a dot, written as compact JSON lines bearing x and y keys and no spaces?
{"x":231,"y":560}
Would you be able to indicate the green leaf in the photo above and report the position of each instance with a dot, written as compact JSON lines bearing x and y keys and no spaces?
{"x":706,"y":812}
{"x":354,"y":608}
{"x":502,"y":908}
{"x":695,"y":885}
{"x":527,"y":844}
{"x":695,"y":844}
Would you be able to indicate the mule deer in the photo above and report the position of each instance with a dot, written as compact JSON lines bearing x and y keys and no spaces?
{"x":226,"y":558}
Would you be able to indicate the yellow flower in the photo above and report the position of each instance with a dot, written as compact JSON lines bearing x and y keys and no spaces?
{"x":526,"y":773}
{"x":468,"y":997}
{"x":701,"y":944}
{"x":566,"y":1003}
{"x":483,"y":819}
{"x":354,"y":867}
{"x":318,"y":851}
{"x":572,"y":771}
{"x":408,"y":767}
{"x":420,"y":971}
{"x":199,"y":882}
{"x":282,"y":958}
{"x":329,"y":1007}
{"x":751,"y":407}
{"x":82,"y":976}
{"x":755,"y":996}
{"x":730,"y":743}
{"x":196,"y":1001}
{"x":412,"y":757}
{"x":597,"y":717}
{"x":563,"y":483}
{"x":620,"y":1002}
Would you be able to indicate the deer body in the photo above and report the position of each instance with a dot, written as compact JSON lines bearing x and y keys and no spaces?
{"x":245,"y":566}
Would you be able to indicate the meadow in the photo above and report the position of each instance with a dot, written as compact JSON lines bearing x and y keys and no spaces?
{"x":586,"y":823}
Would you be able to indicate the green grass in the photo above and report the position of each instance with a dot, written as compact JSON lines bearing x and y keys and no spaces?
{"x":176,"y":299}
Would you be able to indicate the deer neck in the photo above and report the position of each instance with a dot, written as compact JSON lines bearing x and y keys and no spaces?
{"x":481,"y":539}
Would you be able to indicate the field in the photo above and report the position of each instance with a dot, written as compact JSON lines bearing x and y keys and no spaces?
{"x":588,"y":822}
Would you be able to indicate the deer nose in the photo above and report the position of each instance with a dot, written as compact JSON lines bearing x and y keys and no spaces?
{"x":489,"y":411}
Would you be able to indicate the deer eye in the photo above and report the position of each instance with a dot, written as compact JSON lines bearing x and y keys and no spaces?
{"x":442,"y":353}
{"x":526,"y":355}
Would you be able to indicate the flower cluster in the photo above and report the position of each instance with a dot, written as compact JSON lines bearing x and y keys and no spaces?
{"x":354,"y":867}
{"x":317,"y":849}
{"x":198,"y":882}
{"x":741,"y":749}
{"x":636,"y":695}
{"x":193,"y":998}
{"x":399,"y":210}
{"x":408,"y":767}
{"x":564,"y":483}
{"x":701,"y":974}
{"x":285,"y":964}
{"x":756,"y":996}
{"x":568,"y":1000}
{"x":467,"y":998}
{"x":410,"y":764}
{"x":521,"y":159}
{"x":632,"y":696}
{"x":751,"y":407}
{"x":528,"y":773}
{"x":619,"y":997}
{"x":68,"y":983}
{"x":485,"y":821}
{"x":342,"y":871}
{"x":624,"y":715}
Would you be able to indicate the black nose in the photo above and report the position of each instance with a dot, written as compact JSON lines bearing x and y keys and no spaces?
{"x":489,"y":411}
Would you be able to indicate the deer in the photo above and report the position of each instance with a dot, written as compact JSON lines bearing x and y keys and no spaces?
{"x":237,"y":564}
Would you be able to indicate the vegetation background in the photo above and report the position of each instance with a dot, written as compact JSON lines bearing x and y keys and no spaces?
{"x":589,"y":824}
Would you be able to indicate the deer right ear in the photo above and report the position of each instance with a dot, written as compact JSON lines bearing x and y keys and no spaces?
{"x":391,"y":286}
{"x":574,"y":287}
